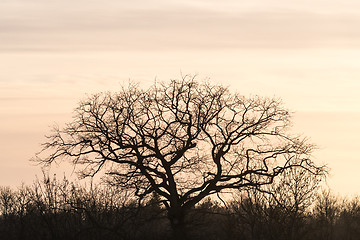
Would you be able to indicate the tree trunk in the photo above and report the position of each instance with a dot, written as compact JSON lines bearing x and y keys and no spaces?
{"x":177,"y":220}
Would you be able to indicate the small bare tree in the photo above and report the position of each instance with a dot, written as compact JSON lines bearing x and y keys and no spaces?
{"x":291,"y":197}
{"x":184,"y":140}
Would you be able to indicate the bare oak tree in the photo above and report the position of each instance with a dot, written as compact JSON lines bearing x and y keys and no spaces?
{"x":184,"y":140}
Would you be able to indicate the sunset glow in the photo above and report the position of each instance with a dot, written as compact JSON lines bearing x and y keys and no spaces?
{"x":53,"y":53}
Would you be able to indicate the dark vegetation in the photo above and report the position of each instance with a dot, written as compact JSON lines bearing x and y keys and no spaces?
{"x":58,"y":209}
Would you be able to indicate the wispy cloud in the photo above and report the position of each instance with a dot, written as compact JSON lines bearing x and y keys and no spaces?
{"x":162,"y":25}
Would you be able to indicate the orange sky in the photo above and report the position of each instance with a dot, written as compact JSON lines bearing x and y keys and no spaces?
{"x":306,"y":52}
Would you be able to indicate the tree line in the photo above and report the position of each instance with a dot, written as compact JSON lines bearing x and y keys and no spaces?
{"x":58,"y":209}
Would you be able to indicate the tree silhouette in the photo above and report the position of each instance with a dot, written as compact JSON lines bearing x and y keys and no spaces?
{"x":183,"y":140}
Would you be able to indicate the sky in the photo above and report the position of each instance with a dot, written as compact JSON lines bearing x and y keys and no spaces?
{"x":53,"y":53}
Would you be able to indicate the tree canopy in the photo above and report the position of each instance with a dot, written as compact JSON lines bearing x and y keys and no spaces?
{"x":183,"y":139}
